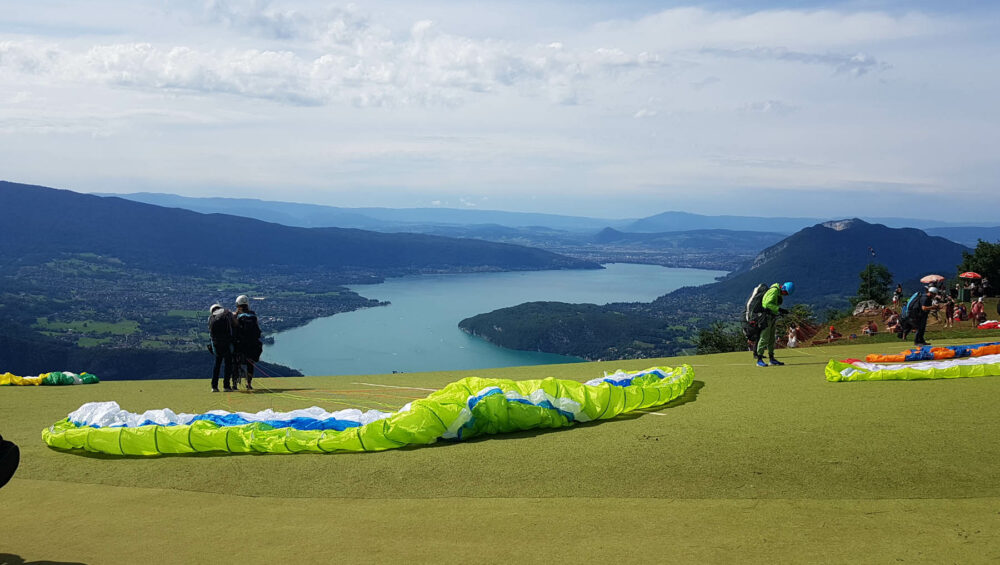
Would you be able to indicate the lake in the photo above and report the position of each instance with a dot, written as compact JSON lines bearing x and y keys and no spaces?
{"x":419,"y":331}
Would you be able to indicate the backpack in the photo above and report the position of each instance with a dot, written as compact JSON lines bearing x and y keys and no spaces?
{"x":753,"y":315}
{"x":249,"y":328}
{"x":910,"y":311}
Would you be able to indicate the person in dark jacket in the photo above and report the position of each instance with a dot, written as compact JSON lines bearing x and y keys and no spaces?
{"x":248,"y":336}
{"x":926,"y":305}
{"x":222,"y":328}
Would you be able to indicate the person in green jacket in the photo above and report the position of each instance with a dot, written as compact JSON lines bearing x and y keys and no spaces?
{"x":772,"y":308}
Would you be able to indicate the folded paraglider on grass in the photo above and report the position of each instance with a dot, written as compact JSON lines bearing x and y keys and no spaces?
{"x":464,"y":409}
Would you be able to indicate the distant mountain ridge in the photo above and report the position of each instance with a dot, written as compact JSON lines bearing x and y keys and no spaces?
{"x":41,"y":221}
{"x":381,"y":219}
{"x":427,"y":220}
{"x":682,"y":221}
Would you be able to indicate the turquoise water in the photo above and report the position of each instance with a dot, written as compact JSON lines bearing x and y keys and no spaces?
{"x":419,"y":330}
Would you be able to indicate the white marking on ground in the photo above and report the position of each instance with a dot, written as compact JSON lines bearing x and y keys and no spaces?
{"x":393,"y":386}
{"x":654,"y":413}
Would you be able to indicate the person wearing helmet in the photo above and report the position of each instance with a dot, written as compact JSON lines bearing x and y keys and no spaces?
{"x":222,"y":329}
{"x":927,"y":304}
{"x":772,"y":308}
{"x":248,"y":336}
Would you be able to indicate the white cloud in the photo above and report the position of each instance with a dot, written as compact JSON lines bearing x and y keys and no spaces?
{"x":856,"y":64}
{"x":510,"y":101}
{"x":774,"y":107}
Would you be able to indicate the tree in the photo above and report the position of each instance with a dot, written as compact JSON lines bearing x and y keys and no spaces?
{"x":876,"y":283}
{"x":721,"y":338}
{"x":985,"y":260}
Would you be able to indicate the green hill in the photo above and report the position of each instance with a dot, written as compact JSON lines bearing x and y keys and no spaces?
{"x":752,"y":465}
{"x":824,"y":260}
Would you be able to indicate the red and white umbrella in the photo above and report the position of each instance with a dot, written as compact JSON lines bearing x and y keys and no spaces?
{"x":931,"y":279}
{"x":970,"y":275}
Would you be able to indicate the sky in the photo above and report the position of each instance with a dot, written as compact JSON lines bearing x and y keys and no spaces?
{"x":602,"y":108}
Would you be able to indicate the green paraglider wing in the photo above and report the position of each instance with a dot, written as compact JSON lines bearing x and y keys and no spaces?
{"x":464,"y":409}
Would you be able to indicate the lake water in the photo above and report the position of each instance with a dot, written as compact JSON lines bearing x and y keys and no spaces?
{"x":419,"y":330}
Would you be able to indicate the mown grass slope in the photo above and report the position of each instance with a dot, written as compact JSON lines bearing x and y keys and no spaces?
{"x":751,"y":465}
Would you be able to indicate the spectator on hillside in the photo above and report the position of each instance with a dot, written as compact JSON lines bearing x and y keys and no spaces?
{"x":987,"y":291}
{"x":893,"y":325}
{"x":793,"y":335}
{"x":949,"y":310}
{"x":833,"y":335}
{"x":897,"y":295}
{"x":978,"y":311}
{"x":961,"y":314}
{"x":870,"y":328}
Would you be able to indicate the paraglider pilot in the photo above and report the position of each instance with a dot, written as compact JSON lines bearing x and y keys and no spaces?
{"x":772,"y":308}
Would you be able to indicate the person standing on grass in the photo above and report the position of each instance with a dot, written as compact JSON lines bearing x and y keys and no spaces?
{"x":949,"y":310}
{"x":772,"y":308}
{"x":249,"y":336}
{"x":222,"y":329}
{"x":926,"y":306}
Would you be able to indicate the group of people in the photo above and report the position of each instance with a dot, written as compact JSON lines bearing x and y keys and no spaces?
{"x":897,"y":321}
{"x":235,"y":343}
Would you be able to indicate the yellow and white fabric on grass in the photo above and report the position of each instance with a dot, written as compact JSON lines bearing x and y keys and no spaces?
{"x":985,"y":366}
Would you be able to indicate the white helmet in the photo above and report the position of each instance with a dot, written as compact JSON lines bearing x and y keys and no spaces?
{"x":214,"y":307}
{"x":242,"y":300}
{"x":932,"y":290}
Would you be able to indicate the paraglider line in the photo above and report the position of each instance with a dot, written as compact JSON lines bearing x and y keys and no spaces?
{"x":393,"y":386}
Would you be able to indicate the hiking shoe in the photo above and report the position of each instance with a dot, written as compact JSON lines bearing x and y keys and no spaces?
{"x":249,"y":387}
{"x":214,"y":389}
{"x":761,"y":363}
{"x":922,"y":343}
{"x":227,"y":389}
{"x":774,"y":361}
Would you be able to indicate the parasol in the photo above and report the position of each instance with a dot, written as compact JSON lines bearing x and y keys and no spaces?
{"x":931,"y":279}
{"x":970,"y":275}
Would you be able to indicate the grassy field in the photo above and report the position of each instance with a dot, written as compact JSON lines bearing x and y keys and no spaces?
{"x":751,"y":465}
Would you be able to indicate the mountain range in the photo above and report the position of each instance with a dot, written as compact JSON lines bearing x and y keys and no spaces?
{"x":42,"y":222}
{"x":428,"y":220}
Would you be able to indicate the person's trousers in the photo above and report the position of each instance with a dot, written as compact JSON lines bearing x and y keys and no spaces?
{"x":921,"y":326}
{"x":223,"y":354}
{"x":765,"y":343}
